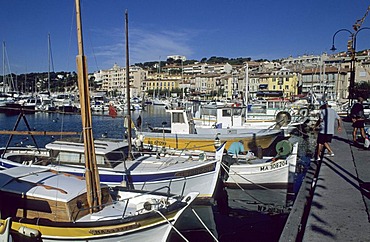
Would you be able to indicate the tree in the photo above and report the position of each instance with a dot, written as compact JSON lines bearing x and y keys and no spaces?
{"x":362,"y":89}
{"x":170,"y":61}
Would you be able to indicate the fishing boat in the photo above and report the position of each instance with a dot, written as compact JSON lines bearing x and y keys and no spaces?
{"x":185,"y":134}
{"x":235,"y":117}
{"x":50,"y":206}
{"x":45,"y":205}
{"x":179,"y":171}
{"x":271,"y":172}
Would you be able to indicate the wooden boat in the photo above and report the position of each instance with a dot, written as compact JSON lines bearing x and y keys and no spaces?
{"x":184,"y":134}
{"x":46,"y":205}
{"x":181,"y":172}
{"x":51,"y":206}
{"x":272,"y":172}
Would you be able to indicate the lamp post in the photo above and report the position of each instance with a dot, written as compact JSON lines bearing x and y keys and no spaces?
{"x":352,"y":48}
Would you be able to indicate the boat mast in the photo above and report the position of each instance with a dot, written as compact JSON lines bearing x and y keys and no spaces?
{"x":49,"y":53}
{"x":92,"y":176}
{"x":246,"y":88}
{"x":129,"y":132}
{"x":4,"y":83}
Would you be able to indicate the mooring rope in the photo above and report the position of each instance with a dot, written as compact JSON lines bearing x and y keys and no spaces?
{"x":224,"y":166}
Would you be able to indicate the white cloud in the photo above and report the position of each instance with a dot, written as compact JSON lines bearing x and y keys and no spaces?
{"x":144,"y":45}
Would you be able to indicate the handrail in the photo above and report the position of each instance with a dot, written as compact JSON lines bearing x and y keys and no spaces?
{"x":123,"y":200}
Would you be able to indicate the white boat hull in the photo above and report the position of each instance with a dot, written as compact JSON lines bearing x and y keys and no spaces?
{"x":268,"y":174}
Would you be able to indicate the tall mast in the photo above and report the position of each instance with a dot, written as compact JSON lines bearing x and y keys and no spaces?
{"x":246,"y":101}
{"x":246,"y":84}
{"x":92,"y":176}
{"x":129,"y":133}
{"x":4,"y":80}
{"x":49,"y":46}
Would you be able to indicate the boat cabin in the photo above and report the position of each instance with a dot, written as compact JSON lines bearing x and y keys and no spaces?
{"x":109,"y":153}
{"x":181,"y":121}
{"x":37,"y":193}
{"x":221,"y":116}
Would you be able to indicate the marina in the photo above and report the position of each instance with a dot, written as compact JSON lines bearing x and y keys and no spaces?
{"x":220,"y":149}
{"x":248,"y":208}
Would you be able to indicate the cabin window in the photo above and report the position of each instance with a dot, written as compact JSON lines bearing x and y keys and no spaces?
{"x":116,"y":157}
{"x":178,"y":118}
{"x":226,"y":113}
{"x":69,"y":157}
{"x":237,"y":111}
{"x":76,"y":158}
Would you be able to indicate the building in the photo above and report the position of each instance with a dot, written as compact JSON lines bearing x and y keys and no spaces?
{"x":177,"y":57}
{"x":161,"y":82}
{"x":114,"y":80}
{"x":204,"y":68}
{"x":331,"y":80}
{"x":283,"y":82}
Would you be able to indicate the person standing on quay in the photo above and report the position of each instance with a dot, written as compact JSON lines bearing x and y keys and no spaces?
{"x":358,"y":119}
{"x":327,"y":122}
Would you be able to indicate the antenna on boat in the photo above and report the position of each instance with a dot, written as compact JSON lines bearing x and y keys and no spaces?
{"x":94,"y":197}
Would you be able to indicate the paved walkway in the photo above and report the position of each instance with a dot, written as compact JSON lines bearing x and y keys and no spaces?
{"x":334,"y":201}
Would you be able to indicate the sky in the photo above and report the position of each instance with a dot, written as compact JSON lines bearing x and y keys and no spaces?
{"x":196,"y":29}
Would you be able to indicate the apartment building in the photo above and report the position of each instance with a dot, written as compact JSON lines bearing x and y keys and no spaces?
{"x":204,"y":68}
{"x":161,"y":82}
{"x":333,"y":81}
{"x":114,"y":80}
{"x":283,"y":81}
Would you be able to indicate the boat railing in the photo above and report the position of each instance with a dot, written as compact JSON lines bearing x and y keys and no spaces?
{"x":193,"y":154}
{"x":171,"y":179}
{"x":127,"y":201}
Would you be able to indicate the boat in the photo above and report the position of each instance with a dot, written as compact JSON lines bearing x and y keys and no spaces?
{"x":271,"y":172}
{"x":180,"y":171}
{"x":64,"y":102}
{"x":47,"y":104}
{"x":235,"y":117}
{"x":185,"y":134}
{"x":26,"y":106}
{"x":52,"y":206}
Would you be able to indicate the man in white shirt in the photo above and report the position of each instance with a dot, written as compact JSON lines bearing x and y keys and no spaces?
{"x":327,"y":122}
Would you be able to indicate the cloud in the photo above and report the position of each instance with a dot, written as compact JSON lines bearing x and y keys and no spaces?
{"x":149,"y":45}
{"x":144,"y":45}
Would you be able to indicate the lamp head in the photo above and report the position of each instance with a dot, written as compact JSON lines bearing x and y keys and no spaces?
{"x":333,"y":48}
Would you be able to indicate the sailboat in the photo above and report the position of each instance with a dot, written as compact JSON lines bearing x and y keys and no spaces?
{"x":45,"y":205}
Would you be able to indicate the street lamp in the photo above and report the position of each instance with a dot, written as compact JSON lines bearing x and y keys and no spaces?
{"x":352,"y":47}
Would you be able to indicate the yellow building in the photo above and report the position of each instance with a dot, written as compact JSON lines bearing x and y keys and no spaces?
{"x":161,"y":82}
{"x":285,"y":82}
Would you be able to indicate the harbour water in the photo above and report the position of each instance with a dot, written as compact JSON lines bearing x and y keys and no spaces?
{"x":252,"y":215}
